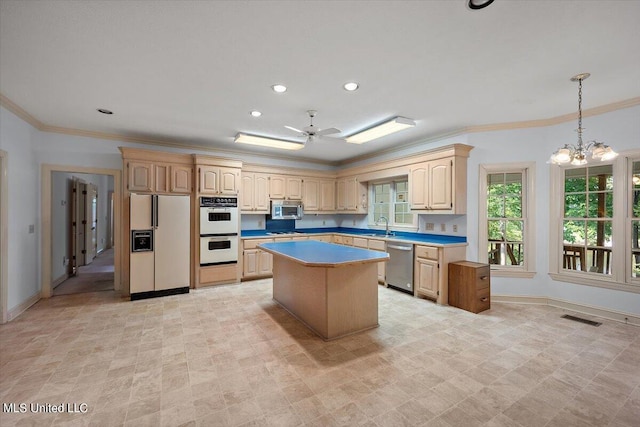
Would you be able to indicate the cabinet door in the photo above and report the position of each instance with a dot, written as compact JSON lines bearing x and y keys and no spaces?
{"x":311,"y":194}
{"x":209,"y":177}
{"x":277,"y":187}
{"x":439,"y":184}
{"x":261,"y":192}
{"x":294,"y":188}
{"x":229,"y":180}
{"x":417,"y":187}
{"x":180,"y":179}
{"x":250,"y":262}
{"x":247,"y":191}
{"x":427,"y":277}
{"x":327,"y":195}
{"x":265,"y":263}
{"x":351,"y":194}
{"x":140,"y":176}
{"x":161,"y":178}
{"x":341,"y":192}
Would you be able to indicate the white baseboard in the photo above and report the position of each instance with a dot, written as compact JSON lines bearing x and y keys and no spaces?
{"x":59,"y":280}
{"x":19,"y":309}
{"x":618,"y":316}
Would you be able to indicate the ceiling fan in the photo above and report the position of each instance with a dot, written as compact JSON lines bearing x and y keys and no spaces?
{"x":312,"y":133}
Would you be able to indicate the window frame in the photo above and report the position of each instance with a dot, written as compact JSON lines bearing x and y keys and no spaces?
{"x":620,"y":278}
{"x":392,"y":224}
{"x":527,"y":169}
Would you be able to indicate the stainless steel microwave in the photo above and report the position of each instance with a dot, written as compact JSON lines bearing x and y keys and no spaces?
{"x":286,"y":209}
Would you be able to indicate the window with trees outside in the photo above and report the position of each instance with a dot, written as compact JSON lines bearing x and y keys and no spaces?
{"x":634,"y":221}
{"x":588,"y":219}
{"x":505,"y":210}
{"x":391,"y":201}
{"x":595,"y":224}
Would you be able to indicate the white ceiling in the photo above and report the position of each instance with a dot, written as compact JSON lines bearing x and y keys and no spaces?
{"x":190,"y":72}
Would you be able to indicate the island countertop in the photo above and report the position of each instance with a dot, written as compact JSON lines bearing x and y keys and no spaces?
{"x":312,"y":253}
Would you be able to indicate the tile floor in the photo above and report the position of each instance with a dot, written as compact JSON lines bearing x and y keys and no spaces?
{"x":230,"y":356}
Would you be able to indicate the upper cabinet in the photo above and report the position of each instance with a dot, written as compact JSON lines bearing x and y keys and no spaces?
{"x":159,"y":175}
{"x":439,"y":186}
{"x":218,"y":180}
{"x":285,"y":187}
{"x":351,"y":195}
{"x":319,"y":195}
{"x":254,"y":192}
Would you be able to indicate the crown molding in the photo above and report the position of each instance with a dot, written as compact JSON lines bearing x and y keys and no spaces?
{"x":20,"y":112}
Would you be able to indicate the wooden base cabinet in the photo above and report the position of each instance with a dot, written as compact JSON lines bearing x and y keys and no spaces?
{"x":255,"y":262}
{"x":470,"y":286}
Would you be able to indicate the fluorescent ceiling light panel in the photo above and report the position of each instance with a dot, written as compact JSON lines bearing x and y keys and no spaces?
{"x":263,"y":141}
{"x":384,"y":129}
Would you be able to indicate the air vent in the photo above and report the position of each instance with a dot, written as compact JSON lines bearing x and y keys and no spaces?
{"x":581,"y":320}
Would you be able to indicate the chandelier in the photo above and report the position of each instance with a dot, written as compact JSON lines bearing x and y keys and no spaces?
{"x":580,"y":153}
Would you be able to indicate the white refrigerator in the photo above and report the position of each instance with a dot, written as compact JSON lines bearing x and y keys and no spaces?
{"x":160,"y":245}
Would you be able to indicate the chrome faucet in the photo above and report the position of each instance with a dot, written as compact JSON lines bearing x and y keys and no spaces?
{"x":386,"y":220}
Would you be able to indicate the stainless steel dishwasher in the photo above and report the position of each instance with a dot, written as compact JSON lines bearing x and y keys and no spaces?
{"x":400,"y":266}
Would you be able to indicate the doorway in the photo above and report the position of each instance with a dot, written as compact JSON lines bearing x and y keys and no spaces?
{"x":100,"y":230}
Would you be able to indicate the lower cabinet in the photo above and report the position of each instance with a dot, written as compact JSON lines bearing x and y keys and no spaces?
{"x":470,"y":286}
{"x":431,"y":273}
{"x":256,"y":262}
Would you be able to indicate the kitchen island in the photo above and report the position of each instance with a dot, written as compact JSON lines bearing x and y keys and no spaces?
{"x":333,"y":289}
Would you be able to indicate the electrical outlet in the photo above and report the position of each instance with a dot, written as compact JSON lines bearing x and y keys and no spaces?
{"x":259,"y":223}
{"x":324,"y":222}
{"x":455,"y":228}
{"x":430,"y":226}
{"x":32,"y":228}
{"x":354,"y":222}
{"x":443,"y":227}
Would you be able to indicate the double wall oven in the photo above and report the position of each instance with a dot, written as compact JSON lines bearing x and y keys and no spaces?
{"x":219,"y":224}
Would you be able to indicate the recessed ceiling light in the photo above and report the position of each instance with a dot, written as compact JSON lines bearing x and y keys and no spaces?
{"x":351,"y":86}
{"x":478,"y":4}
{"x":279,"y":88}
{"x":104,"y":111}
{"x":255,"y":113}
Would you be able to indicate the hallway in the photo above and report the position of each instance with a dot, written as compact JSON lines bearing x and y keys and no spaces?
{"x":95,"y":277}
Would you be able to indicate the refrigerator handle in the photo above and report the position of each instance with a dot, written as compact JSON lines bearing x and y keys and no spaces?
{"x":157,"y":216}
{"x":153,"y":210}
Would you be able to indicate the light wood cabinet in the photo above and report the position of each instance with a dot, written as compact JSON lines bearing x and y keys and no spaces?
{"x":180,"y":179}
{"x":379,"y":245}
{"x":254,"y":193}
{"x":351,"y":195}
{"x":430,"y":271}
{"x":218,"y":180}
{"x":438,"y":186}
{"x":154,"y":177}
{"x":470,"y":286}
{"x":343,"y":240}
{"x":140,"y":176}
{"x":285,"y":187}
{"x":319,"y":195}
{"x":328,"y":238}
{"x":255,"y":261}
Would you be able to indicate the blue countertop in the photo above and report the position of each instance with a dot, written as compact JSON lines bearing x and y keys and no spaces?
{"x":314,"y":253}
{"x":418,"y":238}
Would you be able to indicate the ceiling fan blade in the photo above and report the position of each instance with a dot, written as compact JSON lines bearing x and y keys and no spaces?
{"x":294,"y":129}
{"x":329,"y":131}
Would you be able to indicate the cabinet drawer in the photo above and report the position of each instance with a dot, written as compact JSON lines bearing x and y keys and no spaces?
{"x":483,"y":300}
{"x":483,"y":278}
{"x":426,"y":252}
{"x":377,"y":245}
{"x":253,"y":243}
{"x":360,"y":242}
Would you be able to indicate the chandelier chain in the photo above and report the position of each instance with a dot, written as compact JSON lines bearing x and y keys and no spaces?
{"x":579,"y":112}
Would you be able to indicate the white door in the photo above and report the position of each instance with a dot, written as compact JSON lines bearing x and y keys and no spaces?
{"x":91,"y":222}
{"x":78,"y":213}
{"x":172,"y":242}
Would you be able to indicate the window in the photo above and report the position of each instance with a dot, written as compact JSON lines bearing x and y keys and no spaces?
{"x":505,"y":212}
{"x":390,"y":200}
{"x":634,"y":221}
{"x":588,"y":219}
{"x":595,"y":223}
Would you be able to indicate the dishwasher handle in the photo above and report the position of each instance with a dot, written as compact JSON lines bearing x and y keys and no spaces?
{"x":400,"y":248}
